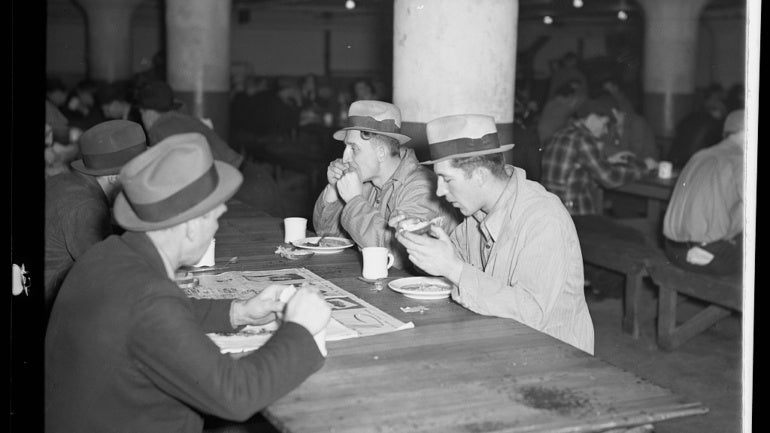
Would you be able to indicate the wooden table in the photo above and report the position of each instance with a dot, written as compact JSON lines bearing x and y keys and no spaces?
{"x":456,"y":371}
{"x":657,"y":191}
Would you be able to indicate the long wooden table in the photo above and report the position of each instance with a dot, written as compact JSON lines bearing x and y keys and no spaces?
{"x":456,"y":371}
{"x":657,"y":191}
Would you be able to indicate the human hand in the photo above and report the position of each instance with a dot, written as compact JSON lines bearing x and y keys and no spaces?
{"x":335,"y":171}
{"x":259,"y":309}
{"x":435,"y":255}
{"x":349,"y":185}
{"x":621,"y":157}
{"x":308,"y":309}
{"x":650,"y":163}
{"x":395,"y":218}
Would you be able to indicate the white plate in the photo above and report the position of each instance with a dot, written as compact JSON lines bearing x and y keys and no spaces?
{"x":340,"y":244}
{"x":409,"y":287}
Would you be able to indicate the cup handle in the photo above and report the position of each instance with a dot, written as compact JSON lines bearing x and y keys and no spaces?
{"x":391,"y":259}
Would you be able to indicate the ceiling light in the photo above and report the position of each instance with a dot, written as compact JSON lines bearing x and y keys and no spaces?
{"x":622,"y":15}
{"x":350,"y":4}
{"x":547,"y":20}
{"x":577,"y":3}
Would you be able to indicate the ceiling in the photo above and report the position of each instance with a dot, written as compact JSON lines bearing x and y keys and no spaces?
{"x":528,"y":9}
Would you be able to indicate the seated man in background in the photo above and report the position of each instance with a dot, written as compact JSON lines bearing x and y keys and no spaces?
{"x":558,"y":110}
{"x":629,"y":132}
{"x":77,"y":204}
{"x":698,"y":130}
{"x":127,"y":350}
{"x":703,"y":225}
{"x":574,"y":164}
{"x":162,"y":118}
{"x":516,"y":254}
{"x":376,"y":178}
{"x":113,"y":98}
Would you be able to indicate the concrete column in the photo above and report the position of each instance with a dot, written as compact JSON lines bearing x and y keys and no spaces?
{"x":198,"y":57}
{"x":109,"y":38}
{"x":670,"y":48}
{"x":454,"y":57}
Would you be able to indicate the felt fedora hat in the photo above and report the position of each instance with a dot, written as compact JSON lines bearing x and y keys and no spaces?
{"x":107,"y":146}
{"x":172,"y":182}
{"x":461,"y":136}
{"x":158,"y":96}
{"x":374,"y":116}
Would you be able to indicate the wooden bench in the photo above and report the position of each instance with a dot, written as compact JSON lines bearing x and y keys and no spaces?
{"x":606,"y":243}
{"x":723,"y":294}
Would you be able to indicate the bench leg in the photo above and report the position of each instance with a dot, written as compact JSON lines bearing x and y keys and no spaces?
{"x":631,"y":304}
{"x":671,"y":336}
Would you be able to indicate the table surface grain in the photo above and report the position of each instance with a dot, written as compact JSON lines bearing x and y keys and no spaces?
{"x":456,"y":371}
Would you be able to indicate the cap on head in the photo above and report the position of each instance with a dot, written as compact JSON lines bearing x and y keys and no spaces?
{"x":172,"y":182}
{"x":461,"y":136}
{"x":158,"y":96}
{"x":734,"y":122}
{"x":107,"y":146}
{"x":374,"y":116}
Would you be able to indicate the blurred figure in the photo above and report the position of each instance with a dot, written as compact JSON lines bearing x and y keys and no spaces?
{"x":703,"y":225}
{"x":287,"y":107}
{"x":78,"y":204}
{"x":250,"y":112}
{"x":699,"y":129}
{"x":113,"y":98}
{"x":567,"y":71}
{"x":611,"y":88}
{"x":736,"y":97}
{"x":629,"y":132}
{"x":60,"y":125}
{"x":574,"y":164}
{"x":559,"y":109}
{"x":56,"y":92}
{"x":363,"y":90}
{"x":162,"y":118}
{"x":81,"y":109}
{"x":57,"y":155}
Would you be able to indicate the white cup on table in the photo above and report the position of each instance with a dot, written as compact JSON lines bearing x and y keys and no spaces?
{"x":377,"y":261}
{"x":665,"y":170}
{"x":208,"y":256}
{"x":295,"y":228}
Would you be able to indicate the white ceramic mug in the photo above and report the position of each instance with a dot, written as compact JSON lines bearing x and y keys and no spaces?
{"x":208,"y":256}
{"x":295,"y":229}
{"x":377,"y":261}
{"x":665,"y":169}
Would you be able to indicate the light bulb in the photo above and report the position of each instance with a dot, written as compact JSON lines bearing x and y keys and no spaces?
{"x":577,"y":3}
{"x":350,"y":4}
{"x":622,"y":15}
{"x":547,"y":20}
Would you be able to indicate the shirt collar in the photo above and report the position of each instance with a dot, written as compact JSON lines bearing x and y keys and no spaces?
{"x":492,"y":223}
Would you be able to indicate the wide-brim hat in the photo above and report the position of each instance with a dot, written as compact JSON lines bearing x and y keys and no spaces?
{"x":172,"y":182}
{"x":376,"y":117}
{"x":107,"y":146}
{"x":158,"y":96}
{"x":461,"y":136}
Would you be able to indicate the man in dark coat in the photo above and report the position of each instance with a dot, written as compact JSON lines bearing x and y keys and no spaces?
{"x":126,"y":350}
{"x":77,"y":207}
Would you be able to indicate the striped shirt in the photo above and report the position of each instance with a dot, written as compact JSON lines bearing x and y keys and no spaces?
{"x":523,"y":261}
{"x":575,"y":169}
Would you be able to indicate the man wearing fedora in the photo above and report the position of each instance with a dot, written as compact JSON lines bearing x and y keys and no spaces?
{"x":516,"y":254}
{"x":575,"y":165}
{"x":162,"y":117}
{"x":77,"y":208}
{"x":376,"y":178}
{"x":126,"y":349}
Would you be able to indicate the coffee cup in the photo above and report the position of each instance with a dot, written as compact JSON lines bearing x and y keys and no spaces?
{"x":665,"y":169}
{"x":208,"y":256}
{"x":377,"y":261}
{"x":295,"y":229}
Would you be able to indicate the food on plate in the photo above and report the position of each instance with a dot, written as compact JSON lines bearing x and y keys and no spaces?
{"x":328,"y":243}
{"x":418,"y":225}
{"x":425,"y":287}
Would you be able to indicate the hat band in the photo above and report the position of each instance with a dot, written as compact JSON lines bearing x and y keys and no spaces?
{"x":180,"y":201}
{"x":387,"y":125}
{"x":457,"y":146}
{"x":114,"y":159}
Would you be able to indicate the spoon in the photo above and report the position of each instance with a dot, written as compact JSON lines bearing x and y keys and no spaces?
{"x":316,"y":243}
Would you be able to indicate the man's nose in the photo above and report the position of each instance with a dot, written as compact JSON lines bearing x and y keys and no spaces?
{"x":440,"y":188}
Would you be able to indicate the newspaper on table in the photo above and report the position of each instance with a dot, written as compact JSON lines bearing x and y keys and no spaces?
{"x":351,"y":316}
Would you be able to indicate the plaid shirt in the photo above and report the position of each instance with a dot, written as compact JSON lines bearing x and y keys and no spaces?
{"x":575,"y":169}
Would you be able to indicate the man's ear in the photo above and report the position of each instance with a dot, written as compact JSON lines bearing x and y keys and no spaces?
{"x":191,"y":228}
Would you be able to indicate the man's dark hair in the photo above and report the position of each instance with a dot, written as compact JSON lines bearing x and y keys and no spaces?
{"x":494,"y":162}
{"x":391,"y":143}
